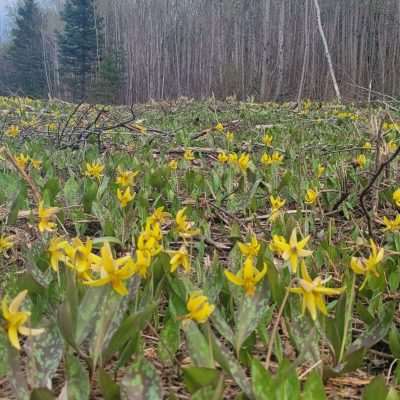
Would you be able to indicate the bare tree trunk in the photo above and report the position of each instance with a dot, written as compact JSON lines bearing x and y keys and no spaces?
{"x":280,"y":50}
{"x":327,"y":53}
{"x":306,"y":52}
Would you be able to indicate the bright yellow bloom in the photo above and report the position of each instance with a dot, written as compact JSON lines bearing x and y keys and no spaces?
{"x":229,"y":136}
{"x":360,"y":160}
{"x":391,"y":225}
{"x":80,"y":256}
{"x":112,"y":271}
{"x":293,"y":250}
{"x":179,"y":258}
{"x":140,"y":127}
{"x":276,"y":157}
{"x":188,"y":155}
{"x":12,"y":131}
{"x":313,"y":292}
{"x":311,"y":196}
{"x":57,"y":252}
{"x":273,"y":247}
{"x":367,"y":146}
{"x":94,"y":170}
{"x":248,"y":276}
{"x":276,"y":204}
{"x":396,"y":197}
{"x":320,"y":170}
{"x":159,"y":216}
{"x":267,"y":139}
{"x":5,"y":243}
{"x":150,"y":239}
{"x":46,"y":217}
{"x":22,"y":160}
{"x":185,"y":227}
{"x":142,"y":263}
{"x":219,"y":127}
{"x":223,"y":158}
{"x":233,"y":158}
{"x":125,"y":197}
{"x":366,"y":267}
{"x":126,"y":178}
{"x":243,"y":162}
{"x":199,"y":308}
{"x":266,"y":159}
{"x":392,"y":146}
{"x":250,"y":249}
{"x":16,"y":319}
{"x":173,"y":164}
{"x":36,"y":163}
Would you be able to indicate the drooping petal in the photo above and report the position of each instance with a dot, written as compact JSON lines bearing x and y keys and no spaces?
{"x":17,"y":301}
{"x":13,"y":337}
{"x":233,"y":278}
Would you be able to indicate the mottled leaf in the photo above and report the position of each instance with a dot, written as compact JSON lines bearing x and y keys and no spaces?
{"x":77,"y":379}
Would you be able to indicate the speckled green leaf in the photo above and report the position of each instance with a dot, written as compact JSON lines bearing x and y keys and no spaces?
{"x":314,"y":388}
{"x":109,"y":389}
{"x":169,"y":341}
{"x":4,"y":367}
{"x":77,"y":379}
{"x":261,"y":382}
{"x":376,"y":389}
{"x":42,"y":394}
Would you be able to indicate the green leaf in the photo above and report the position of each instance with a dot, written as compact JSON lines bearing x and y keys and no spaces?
{"x":261,"y":381}
{"x":287,"y":383}
{"x":196,"y":378}
{"x":17,"y":204}
{"x":42,"y":394}
{"x":199,"y":347}
{"x":72,"y":192}
{"x":376,"y":389}
{"x":393,"y":394}
{"x":109,"y":389}
{"x":394,"y":341}
{"x":141,"y":383}
{"x":4,"y":345}
{"x":314,"y":388}
{"x":168,"y":344}
{"x":77,"y":379}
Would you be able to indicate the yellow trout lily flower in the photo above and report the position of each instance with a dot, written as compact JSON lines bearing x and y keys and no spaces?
{"x":313,"y":292}
{"x":320,"y":170}
{"x":250,"y":249}
{"x":16,"y":319}
{"x":173,"y":165}
{"x":247,"y":277}
{"x":188,"y":155}
{"x":366,"y":267}
{"x":229,"y":136}
{"x":125,"y":197}
{"x":391,"y":146}
{"x":80,"y":256}
{"x":219,"y":127}
{"x":6,"y":243}
{"x":276,"y":204}
{"x":159,"y":216}
{"x":276,"y":157}
{"x":367,"y":146}
{"x":223,"y":158}
{"x":311,"y":196}
{"x":12,"y":131}
{"x":112,"y":271}
{"x":243,"y":162}
{"x":56,"y":250}
{"x":293,"y":250}
{"x":179,"y":258}
{"x":36,"y":163}
{"x":233,"y":158}
{"x":94,"y":170}
{"x":199,"y":308}
{"x":185,"y":227}
{"x":396,"y":197}
{"x":22,"y":160}
{"x":126,"y":178}
{"x":142,"y":263}
{"x":46,"y":215}
{"x":149,"y":240}
{"x":360,"y":161}
{"x":391,"y":225}
{"x":267,"y":140}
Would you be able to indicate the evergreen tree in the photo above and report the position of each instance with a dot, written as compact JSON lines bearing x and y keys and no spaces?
{"x":26,"y":51}
{"x":79,"y":45}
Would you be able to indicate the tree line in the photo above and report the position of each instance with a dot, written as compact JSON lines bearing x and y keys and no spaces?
{"x":125,"y":51}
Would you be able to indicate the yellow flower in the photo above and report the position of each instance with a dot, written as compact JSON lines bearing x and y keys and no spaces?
{"x":150,"y":239}
{"x":248,"y":276}
{"x":366,"y":267}
{"x":219,"y":127}
{"x":391,"y":225}
{"x":313,"y":292}
{"x":173,"y":164}
{"x":311,"y":196}
{"x":360,"y":160}
{"x":126,"y":178}
{"x":94,"y":170}
{"x":233,"y":158}
{"x":276,"y":157}
{"x":159,"y":216}
{"x":125,"y":197}
{"x":367,"y":146}
{"x":5,"y":243}
{"x":112,"y":271}
{"x":392,"y":146}
{"x":46,"y":215}
{"x":12,"y":131}
{"x":223,"y":158}
{"x":16,"y":319}
{"x":396,"y":197}
{"x":36,"y":163}
{"x":140,"y":128}
{"x":179,"y":258}
{"x":267,"y":139}
{"x":293,"y":250}
{"x":80,"y":256}
{"x":243,"y":162}
{"x":320,"y":170}
{"x":276,"y":204}
{"x":266,"y":159}
{"x":52,"y":126}
{"x":22,"y":160}
{"x":250,"y":249}
{"x":57,"y":252}
{"x":229,"y":136}
{"x":188,"y":155}
{"x":142,"y":263}
{"x":199,"y":308}
{"x":185,"y":227}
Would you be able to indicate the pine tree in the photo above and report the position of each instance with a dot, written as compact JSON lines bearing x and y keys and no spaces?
{"x":26,"y":51}
{"x":79,"y":45}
